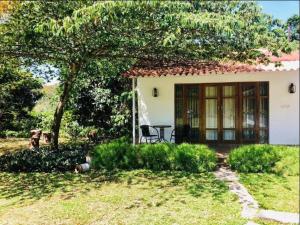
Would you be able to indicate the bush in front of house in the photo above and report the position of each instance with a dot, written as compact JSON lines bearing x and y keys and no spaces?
{"x":45,"y":159}
{"x":194,"y":158}
{"x":162,"y":156}
{"x":117,"y":154}
{"x":254,"y":158}
{"x":288,"y":165}
{"x":156,"y":157}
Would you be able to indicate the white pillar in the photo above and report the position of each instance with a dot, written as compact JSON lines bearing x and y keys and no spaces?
{"x":133,"y":111}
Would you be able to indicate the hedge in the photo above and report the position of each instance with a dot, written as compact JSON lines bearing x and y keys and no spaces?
{"x":185,"y":157}
{"x":45,"y":159}
{"x":265,"y":158}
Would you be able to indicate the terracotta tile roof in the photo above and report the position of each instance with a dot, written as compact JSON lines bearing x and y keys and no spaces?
{"x":192,"y":68}
{"x":200,"y":69}
{"x":294,"y":56}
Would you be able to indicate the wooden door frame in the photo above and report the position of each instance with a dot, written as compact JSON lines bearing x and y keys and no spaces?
{"x":238,"y":110}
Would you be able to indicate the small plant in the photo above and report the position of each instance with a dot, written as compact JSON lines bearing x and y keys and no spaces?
{"x":112,"y":155}
{"x":156,"y":157}
{"x":254,"y":158}
{"x":194,"y":158}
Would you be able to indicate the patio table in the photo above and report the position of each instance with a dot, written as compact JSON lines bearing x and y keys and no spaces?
{"x":161,"y":132}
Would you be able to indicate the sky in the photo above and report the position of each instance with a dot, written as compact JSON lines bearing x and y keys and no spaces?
{"x":280,"y":9}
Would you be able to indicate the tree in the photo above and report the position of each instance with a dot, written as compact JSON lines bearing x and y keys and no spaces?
{"x":69,"y":34}
{"x":293,"y":27}
{"x":19,"y":93}
{"x":103,"y":98}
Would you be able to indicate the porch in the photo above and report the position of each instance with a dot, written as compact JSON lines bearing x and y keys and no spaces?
{"x":241,"y":108}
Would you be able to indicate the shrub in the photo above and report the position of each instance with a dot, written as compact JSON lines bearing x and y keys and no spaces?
{"x":156,"y":157}
{"x":16,"y":134}
{"x":11,"y":133}
{"x":45,"y":159}
{"x":254,"y":158}
{"x":113,"y":155}
{"x":74,"y":130}
{"x":122,"y":155}
{"x":194,"y":158}
{"x":288,"y":164}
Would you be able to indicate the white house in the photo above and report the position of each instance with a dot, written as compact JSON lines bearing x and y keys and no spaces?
{"x":222,"y":103}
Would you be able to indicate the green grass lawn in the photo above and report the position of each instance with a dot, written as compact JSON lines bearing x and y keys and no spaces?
{"x":135,"y":197}
{"x":15,"y":144}
{"x":277,"y":192}
{"x":268,"y":222}
{"x":273,"y":191}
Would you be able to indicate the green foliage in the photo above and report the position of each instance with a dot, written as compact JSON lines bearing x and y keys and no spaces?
{"x":70,"y":126}
{"x":48,"y":101}
{"x":288,"y":165}
{"x":293,"y":26}
{"x":19,"y":91}
{"x":74,"y":130}
{"x":70,"y":34}
{"x":254,"y":158}
{"x":43,"y":120}
{"x":194,"y":158}
{"x":113,"y":155}
{"x":122,"y":155}
{"x":15,"y":134}
{"x":45,"y":159}
{"x":156,"y":157}
{"x":102,"y":98}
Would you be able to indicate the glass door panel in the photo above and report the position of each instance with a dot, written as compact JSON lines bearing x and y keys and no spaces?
{"x":179,"y":113}
{"x":263,"y":112}
{"x":211,"y":113}
{"x":228,"y":91}
{"x":249,"y":104}
{"x":193,"y":112}
{"x":228,"y":113}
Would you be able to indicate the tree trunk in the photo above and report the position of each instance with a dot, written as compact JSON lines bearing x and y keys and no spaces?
{"x":59,"y":111}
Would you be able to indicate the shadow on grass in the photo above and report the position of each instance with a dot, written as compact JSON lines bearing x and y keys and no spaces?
{"x":34,"y":186}
{"x":196,"y":184}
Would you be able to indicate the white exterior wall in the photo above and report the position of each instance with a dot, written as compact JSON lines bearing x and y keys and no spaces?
{"x":283,"y":106}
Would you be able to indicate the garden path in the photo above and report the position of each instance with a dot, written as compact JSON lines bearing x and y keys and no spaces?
{"x":250,"y":205}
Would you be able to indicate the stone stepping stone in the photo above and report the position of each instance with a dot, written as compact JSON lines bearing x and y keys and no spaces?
{"x":283,"y":217}
{"x":250,"y":206}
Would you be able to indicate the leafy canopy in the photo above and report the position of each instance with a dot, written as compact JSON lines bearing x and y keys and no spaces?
{"x":70,"y":34}
{"x":293,"y":23}
{"x":140,"y":30}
